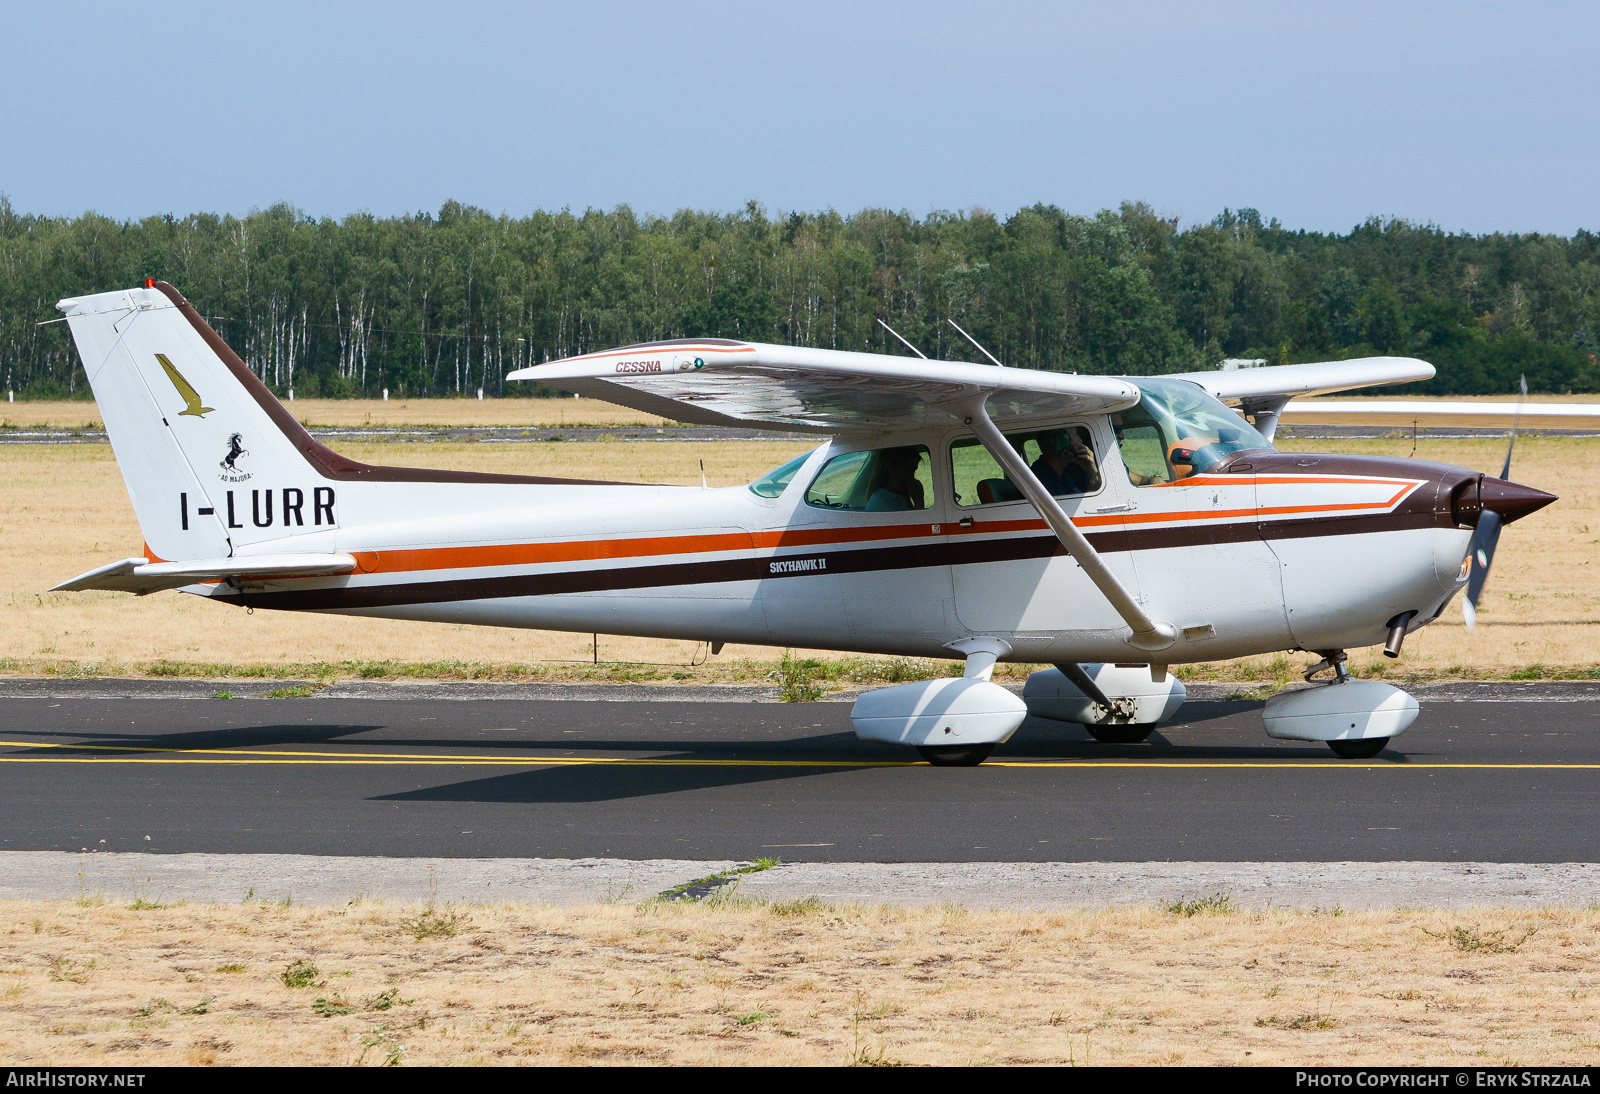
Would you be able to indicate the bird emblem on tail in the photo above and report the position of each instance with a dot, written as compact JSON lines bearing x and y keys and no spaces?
{"x":191,"y":397}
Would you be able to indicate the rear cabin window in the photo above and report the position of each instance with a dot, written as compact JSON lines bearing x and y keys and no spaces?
{"x":1063,"y":459}
{"x":878,"y":480}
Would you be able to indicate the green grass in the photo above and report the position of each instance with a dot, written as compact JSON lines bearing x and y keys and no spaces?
{"x":1471,"y":940}
{"x":806,"y":905}
{"x":331,"y":1006}
{"x":716,"y":886}
{"x":797,"y":679}
{"x":301,"y":974}
{"x":1215,"y":904}
{"x":290,"y":693}
{"x":384,"y":1000}
{"x":434,"y":924}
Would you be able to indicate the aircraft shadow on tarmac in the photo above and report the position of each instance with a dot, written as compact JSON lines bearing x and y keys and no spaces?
{"x":606,"y":782}
{"x":602,"y":782}
{"x":63,"y":740}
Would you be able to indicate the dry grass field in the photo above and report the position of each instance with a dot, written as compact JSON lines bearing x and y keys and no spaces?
{"x":801,"y":983}
{"x":63,"y":509}
{"x":336,"y":413}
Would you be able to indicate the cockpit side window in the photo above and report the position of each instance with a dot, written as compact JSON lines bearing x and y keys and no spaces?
{"x":1177,"y":430}
{"x":879,"y":480}
{"x":1062,"y":458}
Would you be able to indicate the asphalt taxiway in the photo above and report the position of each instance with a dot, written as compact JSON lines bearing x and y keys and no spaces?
{"x":1502,"y":775}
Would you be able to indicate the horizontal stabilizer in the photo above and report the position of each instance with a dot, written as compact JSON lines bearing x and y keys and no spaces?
{"x":140,"y":575}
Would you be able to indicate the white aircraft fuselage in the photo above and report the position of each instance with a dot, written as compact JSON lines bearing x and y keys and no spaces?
{"x":990,"y":512}
{"x":1270,"y":551}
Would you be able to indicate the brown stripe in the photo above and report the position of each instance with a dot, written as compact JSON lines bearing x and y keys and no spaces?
{"x":328,"y":463}
{"x":949,"y":552}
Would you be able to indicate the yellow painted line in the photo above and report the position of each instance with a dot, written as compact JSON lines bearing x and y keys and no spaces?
{"x":381,"y":759}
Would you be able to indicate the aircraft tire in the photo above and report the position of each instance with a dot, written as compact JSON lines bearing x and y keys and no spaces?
{"x":1363,"y":749}
{"x":1120,"y":734}
{"x":969,"y":756}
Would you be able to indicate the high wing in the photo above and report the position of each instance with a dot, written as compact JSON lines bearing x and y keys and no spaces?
{"x":1320,"y":378}
{"x":141,"y":575}
{"x":1263,"y":393}
{"x":792,"y":388}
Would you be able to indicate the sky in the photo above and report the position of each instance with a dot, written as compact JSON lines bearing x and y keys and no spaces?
{"x":1473,"y":115}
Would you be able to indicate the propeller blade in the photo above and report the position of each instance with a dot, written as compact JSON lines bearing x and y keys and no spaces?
{"x":1483,"y":545}
{"x":1511,"y":441}
{"x":1490,"y":522}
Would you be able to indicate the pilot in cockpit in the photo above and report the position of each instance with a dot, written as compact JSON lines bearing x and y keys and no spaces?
{"x":894,"y":487}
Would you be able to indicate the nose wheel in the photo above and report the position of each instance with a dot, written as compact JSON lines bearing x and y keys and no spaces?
{"x":968,"y":756}
{"x":1363,"y":749}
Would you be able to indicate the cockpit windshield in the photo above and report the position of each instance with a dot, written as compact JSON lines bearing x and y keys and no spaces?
{"x":1177,"y":430}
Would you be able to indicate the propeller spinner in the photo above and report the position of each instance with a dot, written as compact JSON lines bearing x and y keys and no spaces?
{"x":1502,"y":502}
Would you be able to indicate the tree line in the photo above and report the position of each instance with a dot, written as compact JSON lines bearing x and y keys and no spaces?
{"x":447,"y":303}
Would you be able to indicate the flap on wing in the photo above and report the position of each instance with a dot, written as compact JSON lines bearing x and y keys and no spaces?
{"x":1319,"y":378}
{"x":752,"y":384}
{"x":140,"y":575}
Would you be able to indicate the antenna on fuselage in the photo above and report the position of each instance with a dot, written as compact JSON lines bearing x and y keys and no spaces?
{"x":908,"y":345}
{"x":974,"y":341}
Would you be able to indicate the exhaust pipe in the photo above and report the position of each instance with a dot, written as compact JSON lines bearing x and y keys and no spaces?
{"x":1397,"y":633}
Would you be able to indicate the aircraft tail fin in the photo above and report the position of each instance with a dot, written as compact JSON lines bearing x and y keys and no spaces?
{"x":211,"y":459}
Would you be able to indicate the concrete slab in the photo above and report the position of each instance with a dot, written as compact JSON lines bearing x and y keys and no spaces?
{"x":333,"y":880}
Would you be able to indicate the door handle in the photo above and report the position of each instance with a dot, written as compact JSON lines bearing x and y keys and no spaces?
{"x":966,"y":522}
{"x":1125,"y":507}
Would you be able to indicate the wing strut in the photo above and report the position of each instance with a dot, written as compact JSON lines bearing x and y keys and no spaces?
{"x":1148,"y":635}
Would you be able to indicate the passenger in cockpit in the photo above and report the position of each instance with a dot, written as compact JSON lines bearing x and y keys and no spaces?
{"x":1192,"y":455}
{"x":1066,"y":464}
{"x":895,"y":488}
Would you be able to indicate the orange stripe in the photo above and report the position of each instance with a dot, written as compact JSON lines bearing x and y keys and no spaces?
{"x":534,"y":554}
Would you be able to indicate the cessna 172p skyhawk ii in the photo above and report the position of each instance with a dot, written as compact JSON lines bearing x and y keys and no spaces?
{"x":1110,"y":526}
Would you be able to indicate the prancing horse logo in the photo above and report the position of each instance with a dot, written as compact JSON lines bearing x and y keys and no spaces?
{"x":231,"y":471}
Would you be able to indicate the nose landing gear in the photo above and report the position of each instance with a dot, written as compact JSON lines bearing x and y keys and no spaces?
{"x":1364,"y":749}
{"x":1354,"y":718}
